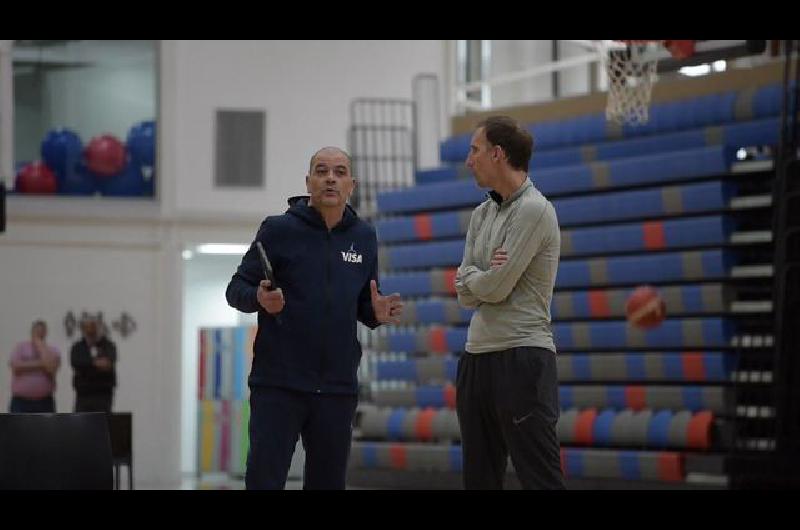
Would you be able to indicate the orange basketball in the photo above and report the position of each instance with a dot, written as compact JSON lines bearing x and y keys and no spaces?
{"x":645,"y":308}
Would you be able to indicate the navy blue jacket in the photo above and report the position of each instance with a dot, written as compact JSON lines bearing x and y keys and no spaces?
{"x":325,"y":277}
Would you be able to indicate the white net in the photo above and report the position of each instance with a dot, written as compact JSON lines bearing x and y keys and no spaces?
{"x":631,"y":73}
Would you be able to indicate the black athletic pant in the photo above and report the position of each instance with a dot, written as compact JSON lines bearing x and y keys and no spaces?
{"x":507,"y":403}
{"x":323,"y":421}
{"x":94,"y":401}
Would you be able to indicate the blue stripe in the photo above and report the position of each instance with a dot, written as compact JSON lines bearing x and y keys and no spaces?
{"x":635,"y":368}
{"x":581,"y":367}
{"x":693,"y":398}
{"x":602,"y":427}
{"x":692,"y":298}
{"x":673,"y":366}
{"x":239,"y":356}
{"x":629,"y":465}
{"x":615,"y":396}
{"x":369,"y":454}
{"x":396,"y":370}
{"x":714,"y":366}
{"x":566,"y":397}
{"x":394,"y":425}
{"x":456,"y":339}
{"x":451,"y":369}
{"x":403,"y":342}
{"x":430,"y":396}
{"x":574,"y":462}
{"x":658,"y":429}
{"x":455,"y":458}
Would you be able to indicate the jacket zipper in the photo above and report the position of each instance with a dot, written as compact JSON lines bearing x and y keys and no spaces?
{"x":327,"y":307}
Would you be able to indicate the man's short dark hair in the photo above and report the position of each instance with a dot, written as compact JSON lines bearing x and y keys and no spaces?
{"x":515,"y":140}
{"x":38,"y":323}
{"x":330,"y":148}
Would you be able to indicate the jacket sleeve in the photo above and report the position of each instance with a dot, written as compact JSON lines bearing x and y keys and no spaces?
{"x":465,"y":296}
{"x":366,"y":313}
{"x":111,"y":351}
{"x":79,"y":358}
{"x":242,"y":289}
{"x":525,"y":235}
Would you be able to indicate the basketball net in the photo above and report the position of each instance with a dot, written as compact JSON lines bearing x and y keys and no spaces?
{"x":631,"y":70}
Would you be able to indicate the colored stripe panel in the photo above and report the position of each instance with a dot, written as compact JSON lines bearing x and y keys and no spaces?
{"x":670,"y":467}
{"x":635,"y":397}
{"x":584,"y":427}
{"x":422,"y":226}
{"x":394,"y":425}
{"x":698,"y":435}
{"x":693,"y":369}
{"x":398,"y":456}
{"x":598,"y":304}
{"x":450,"y":396}
{"x":423,"y":428}
{"x":629,"y":465}
{"x":437,"y":340}
{"x":653,"y":234}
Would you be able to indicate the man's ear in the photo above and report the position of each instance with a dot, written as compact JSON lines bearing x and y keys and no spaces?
{"x":308,"y":188}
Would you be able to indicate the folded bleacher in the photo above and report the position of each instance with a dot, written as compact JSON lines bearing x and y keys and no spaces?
{"x":670,"y":204}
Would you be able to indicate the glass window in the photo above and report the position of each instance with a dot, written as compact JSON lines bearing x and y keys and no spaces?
{"x":84,"y":117}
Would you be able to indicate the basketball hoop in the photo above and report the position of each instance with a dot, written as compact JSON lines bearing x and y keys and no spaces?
{"x":631,"y":68}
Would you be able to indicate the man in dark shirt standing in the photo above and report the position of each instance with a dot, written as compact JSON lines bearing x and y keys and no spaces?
{"x":94,"y":359}
{"x":303,"y":381}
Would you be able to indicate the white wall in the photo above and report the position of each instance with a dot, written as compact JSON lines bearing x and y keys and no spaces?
{"x":51,"y":266}
{"x":305,"y":87}
{"x":113,"y":255}
{"x":113,"y":89}
{"x":514,"y":55}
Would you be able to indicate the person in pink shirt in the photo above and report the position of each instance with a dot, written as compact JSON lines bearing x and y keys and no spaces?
{"x":34,"y":365}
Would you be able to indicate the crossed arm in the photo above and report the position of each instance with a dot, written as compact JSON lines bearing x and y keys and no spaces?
{"x":475,"y":285}
{"x":47,"y":361}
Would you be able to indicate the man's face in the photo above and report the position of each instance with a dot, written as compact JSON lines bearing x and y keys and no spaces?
{"x":90,"y":330}
{"x":39,"y":331}
{"x":479,"y":161}
{"x":330,"y":181}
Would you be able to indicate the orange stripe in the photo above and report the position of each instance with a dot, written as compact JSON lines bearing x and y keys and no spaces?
{"x":653,"y":233}
{"x":450,"y":395}
{"x":397,"y":456}
{"x":670,"y":467}
{"x":450,"y":280}
{"x":598,"y":304}
{"x":584,"y":427}
{"x":423,"y":227}
{"x":437,"y":340}
{"x":698,"y":433}
{"x":423,"y":427}
{"x":693,"y":369}
{"x":635,"y":397}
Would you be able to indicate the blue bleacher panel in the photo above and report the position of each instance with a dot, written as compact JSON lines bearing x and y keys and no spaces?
{"x":605,"y":240}
{"x":648,"y":169}
{"x":701,"y":111}
{"x":755,"y":132}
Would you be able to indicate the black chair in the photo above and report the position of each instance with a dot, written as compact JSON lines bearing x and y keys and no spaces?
{"x":120,"y":425}
{"x":55,"y":451}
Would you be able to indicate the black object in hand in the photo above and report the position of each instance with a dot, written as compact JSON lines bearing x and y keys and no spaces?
{"x":268,"y":274}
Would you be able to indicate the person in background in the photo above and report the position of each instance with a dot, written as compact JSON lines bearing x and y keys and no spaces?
{"x":34,"y":365}
{"x":93,"y":359}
